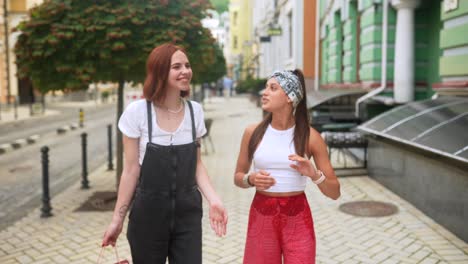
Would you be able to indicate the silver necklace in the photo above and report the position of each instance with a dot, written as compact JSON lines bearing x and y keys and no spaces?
{"x":176,"y":111}
{"x":172,"y":111}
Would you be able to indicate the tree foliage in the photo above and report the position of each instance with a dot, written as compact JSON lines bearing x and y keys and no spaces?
{"x":220,"y":5}
{"x":251,"y":85}
{"x":67,"y":44}
{"x":216,"y":70}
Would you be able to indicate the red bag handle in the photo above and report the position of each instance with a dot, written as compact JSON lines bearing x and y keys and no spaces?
{"x":116,"y":255}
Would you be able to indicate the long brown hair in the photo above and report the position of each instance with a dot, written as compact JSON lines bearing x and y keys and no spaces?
{"x":158,"y":66}
{"x":301,"y":119}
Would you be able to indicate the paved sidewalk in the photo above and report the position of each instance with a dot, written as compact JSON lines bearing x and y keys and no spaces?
{"x":54,"y":106}
{"x":58,"y":117}
{"x":9,"y":114}
{"x":74,"y":237}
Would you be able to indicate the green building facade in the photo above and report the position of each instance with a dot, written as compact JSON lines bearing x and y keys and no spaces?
{"x":420,"y":149}
{"x":351,"y":47}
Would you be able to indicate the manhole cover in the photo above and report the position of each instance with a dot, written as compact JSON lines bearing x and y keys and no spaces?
{"x":368,"y":208}
{"x":99,"y":201}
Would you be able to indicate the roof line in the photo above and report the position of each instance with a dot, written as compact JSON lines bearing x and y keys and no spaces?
{"x":420,"y":114}
{"x":458,"y":152}
{"x":417,"y":145}
{"x":438,"y":126}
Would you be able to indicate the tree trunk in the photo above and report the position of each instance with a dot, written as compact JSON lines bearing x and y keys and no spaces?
{"x":119,"y":153}
{"x":7,"y":49}
{"x":43,"y":102}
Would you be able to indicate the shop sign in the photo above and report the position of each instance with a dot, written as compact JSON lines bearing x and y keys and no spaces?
{"x":265,"y":39}
{"x":274,"y":31}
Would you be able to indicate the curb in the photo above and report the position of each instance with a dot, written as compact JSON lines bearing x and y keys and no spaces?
{"x":73,"y":126}
{"x":4,"y":148}
{"x":63,"y":130}
{"x":19,"y":143}
{"x":33,"y":139}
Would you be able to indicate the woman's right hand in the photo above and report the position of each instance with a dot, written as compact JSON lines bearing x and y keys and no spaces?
{"x":111,"y":234}
{"x":262,"y":180}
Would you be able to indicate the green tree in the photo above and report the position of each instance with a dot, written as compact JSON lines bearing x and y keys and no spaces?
{"x":216,"y":70}
{"x":68,"y":44}
{"x":220,"y":5}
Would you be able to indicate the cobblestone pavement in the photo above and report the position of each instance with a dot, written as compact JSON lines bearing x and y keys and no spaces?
{"x":74,"y":237}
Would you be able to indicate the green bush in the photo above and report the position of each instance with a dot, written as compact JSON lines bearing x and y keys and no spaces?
{"x":105,"y":95}
{"x":250,"y":85}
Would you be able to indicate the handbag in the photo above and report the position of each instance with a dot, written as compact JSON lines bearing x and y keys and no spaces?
{"x":116,"y":256}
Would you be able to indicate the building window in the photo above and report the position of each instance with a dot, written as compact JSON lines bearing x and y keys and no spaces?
{"x":234,"y":19}
{"x":234,"y":42}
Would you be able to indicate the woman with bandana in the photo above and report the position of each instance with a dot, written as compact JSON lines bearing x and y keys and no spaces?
{"x":280,"y":148}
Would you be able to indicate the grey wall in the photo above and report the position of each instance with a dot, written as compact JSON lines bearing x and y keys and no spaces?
{"x":434,"y":185}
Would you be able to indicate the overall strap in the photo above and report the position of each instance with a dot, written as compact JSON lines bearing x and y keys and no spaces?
{"x":193,"y":120}
{"x":150,"y":123}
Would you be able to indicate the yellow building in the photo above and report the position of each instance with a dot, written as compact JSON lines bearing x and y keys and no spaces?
{"x":16,"y":11}
{"x":240,"y":39}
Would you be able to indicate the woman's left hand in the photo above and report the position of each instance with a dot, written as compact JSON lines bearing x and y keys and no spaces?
{"x":218,"y":218}
{"x":303,"y":166}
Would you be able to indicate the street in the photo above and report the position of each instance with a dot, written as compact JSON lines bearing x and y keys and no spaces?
{"x":64,"y":114}
{"x":21,"y":169}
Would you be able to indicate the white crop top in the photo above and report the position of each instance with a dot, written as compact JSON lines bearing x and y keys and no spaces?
{"x":272,"y":154}
{"x":134,"y":124}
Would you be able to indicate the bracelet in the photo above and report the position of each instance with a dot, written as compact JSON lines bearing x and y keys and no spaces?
{"x":246,"y":180}
{"x":320,"y":179}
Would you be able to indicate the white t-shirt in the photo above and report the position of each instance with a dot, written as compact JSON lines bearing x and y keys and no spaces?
{"x":133,"y":123}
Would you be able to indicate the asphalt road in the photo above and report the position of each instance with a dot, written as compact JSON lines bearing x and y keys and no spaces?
{"x":21,"y":169}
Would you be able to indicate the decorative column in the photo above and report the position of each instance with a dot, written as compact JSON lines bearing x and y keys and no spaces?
{"x":403,"y":84}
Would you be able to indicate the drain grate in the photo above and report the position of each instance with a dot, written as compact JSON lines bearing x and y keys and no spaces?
{"x":368,"y":208}
{"x":99,"y":201}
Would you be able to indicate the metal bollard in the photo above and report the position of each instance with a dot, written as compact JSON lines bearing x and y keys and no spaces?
{"x":81,"y":117}
{"x":84,"y":181}
{"x":46,"y":208}
{"x":110,"y":166}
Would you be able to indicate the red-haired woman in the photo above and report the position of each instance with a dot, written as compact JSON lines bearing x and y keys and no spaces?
{"x":163,"y":171}
{"x":280,"y":221}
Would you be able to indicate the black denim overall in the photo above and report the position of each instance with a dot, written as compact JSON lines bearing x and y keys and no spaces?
{"x":165,"y":219}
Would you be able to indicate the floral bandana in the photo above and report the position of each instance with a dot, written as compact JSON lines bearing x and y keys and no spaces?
{"x":290,"y":84}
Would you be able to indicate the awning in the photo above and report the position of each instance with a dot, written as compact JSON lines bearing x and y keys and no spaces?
{"x":317,"y":97}
{"x":437,"y":126}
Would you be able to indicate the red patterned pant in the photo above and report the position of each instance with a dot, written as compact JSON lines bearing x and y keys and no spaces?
{"x":280,"y":228}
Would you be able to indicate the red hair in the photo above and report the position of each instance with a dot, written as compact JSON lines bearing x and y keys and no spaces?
{"x":158,"y":66}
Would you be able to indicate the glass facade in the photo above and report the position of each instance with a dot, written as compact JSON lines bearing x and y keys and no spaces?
{"x":438,"y":125}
